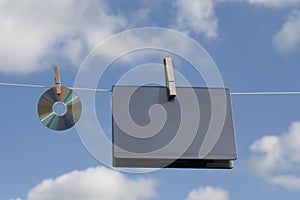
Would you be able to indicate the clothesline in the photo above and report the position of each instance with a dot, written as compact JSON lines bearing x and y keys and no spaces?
{"x":106,"y":90}
{"x":45,"y":86}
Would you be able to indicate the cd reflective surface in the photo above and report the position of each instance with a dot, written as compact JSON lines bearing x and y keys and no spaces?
{"x":59,"y":112}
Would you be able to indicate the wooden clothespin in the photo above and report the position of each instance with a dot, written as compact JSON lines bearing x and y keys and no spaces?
{"x":57,"y":81}
{"x":170,"y":81}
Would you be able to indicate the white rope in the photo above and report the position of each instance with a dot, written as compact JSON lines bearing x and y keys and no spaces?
{"x":90,"y":89}
{"x":45,"y":86}
{"x":104,"y":90}
{"x":265,"y":93}
{"x":24,"y":85}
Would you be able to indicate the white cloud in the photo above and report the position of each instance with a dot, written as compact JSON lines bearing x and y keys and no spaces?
{"x":269,"y":154}
{"x":94,"y":184}
{"x":275,"y":3}
{"x":288,"y":38}
{"x":288,"y":181}
{"x":197,"y":17}
{"x":35,"y":33}
{"x":211,"y":193}
{"x":276,"y":157}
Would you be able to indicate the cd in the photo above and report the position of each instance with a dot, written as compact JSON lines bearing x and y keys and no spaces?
{"x":59,"y":112}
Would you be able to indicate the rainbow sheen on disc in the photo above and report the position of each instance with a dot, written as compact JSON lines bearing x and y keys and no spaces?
{"x":67,"y":100}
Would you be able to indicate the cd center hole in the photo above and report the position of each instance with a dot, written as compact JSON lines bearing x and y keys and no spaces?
{"x":59,"y":108}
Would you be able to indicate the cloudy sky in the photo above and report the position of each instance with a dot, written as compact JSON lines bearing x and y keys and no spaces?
{"x":254,"y":43}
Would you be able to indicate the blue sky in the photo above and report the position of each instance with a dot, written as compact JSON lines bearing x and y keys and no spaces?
{"x":254,"y":43}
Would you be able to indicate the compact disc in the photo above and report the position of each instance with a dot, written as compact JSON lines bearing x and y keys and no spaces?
{"x":59,"y":112}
